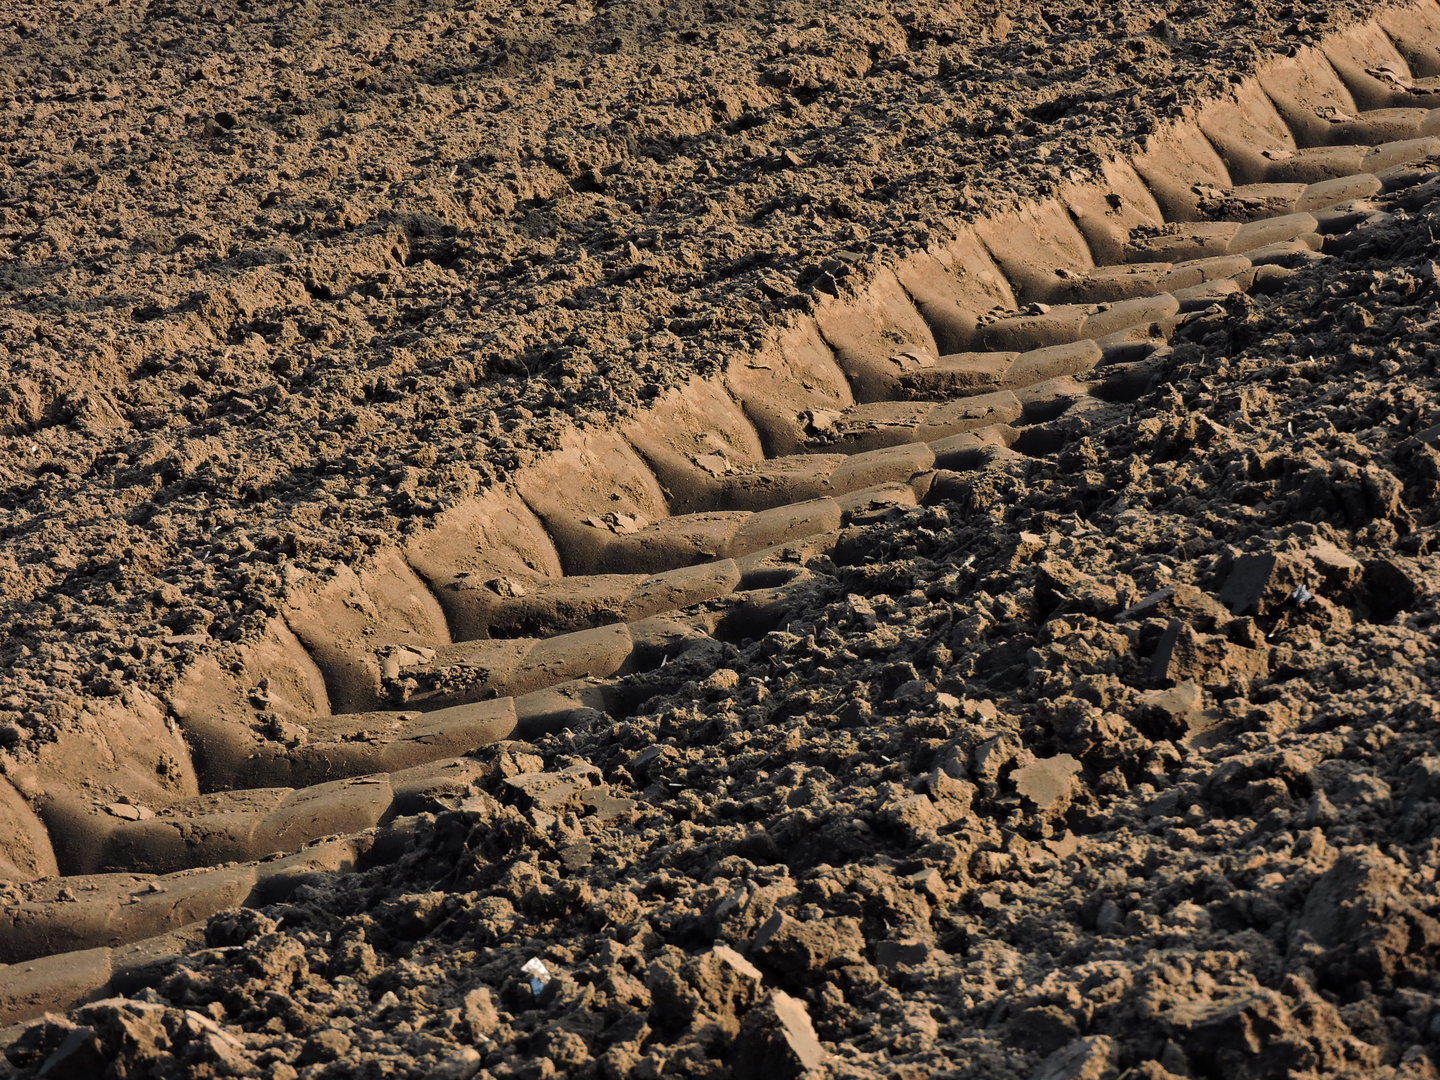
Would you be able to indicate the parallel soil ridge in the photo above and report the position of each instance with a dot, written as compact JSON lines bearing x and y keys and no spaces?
{"x":494,"y":669}
{"x":482,"y":625}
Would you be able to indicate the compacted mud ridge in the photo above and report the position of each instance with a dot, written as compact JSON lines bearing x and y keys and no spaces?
{"x":721,"y":543}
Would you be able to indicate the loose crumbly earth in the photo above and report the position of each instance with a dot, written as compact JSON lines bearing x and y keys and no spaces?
{"x":282,"y":282}
{"x":949,"y":809}
{"x":951,"y":804}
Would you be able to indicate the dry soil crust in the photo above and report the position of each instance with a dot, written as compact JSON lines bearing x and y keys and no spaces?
{"x":282,"y":284}
{"x":877,"y":801}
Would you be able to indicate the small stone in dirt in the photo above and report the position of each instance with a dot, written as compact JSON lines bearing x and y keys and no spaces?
{"x":1046,"y":782}
{"x":777,"y":1041}
{"x":1084,"y":1059}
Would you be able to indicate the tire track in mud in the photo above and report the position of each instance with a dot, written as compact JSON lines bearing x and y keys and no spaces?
{"x":627,"y":549}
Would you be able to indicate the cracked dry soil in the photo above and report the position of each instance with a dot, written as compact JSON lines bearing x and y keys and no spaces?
{"x":1118,"y":761}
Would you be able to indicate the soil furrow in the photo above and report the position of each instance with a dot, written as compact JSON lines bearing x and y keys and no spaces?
{"x":478,"y":673}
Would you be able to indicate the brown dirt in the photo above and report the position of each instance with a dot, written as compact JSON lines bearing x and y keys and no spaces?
{"x":949,"y":804}
{"x":283,"y":284}
{"x":1116,"y":760}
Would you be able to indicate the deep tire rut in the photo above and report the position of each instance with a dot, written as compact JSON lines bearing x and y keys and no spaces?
{"x":307,"y":753}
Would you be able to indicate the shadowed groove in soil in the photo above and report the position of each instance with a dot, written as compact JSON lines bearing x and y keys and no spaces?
{"x":503,"y":621}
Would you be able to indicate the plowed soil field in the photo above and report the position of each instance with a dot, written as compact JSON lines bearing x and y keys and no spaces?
{"x":720,"y":541}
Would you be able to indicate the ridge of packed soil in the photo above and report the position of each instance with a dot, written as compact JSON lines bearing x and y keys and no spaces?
{"x":1008,"y":792}
{"x":282,"y":284}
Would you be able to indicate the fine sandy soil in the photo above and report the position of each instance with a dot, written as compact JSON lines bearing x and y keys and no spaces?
{"x":1112,"y":762}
